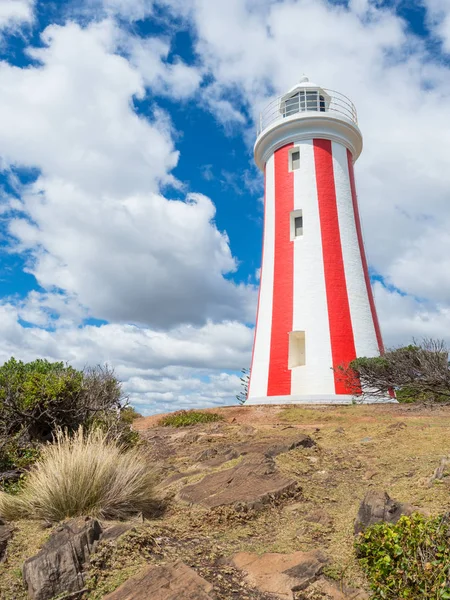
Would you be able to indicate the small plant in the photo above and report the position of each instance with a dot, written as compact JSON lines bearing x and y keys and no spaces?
{"x":245,"y":381}
{"x":185,"y":418}
{"x":83,"y":474}
{"x":408,"y":560}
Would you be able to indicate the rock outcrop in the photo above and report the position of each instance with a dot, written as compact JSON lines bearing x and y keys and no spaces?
{"x":252,"y":482}
{"x":280,"y":574}
{"x":60,"y":565}
{"x":378,"y":507}
{"x":443,"y":470}
{"x":6,"y":533}
{"x":331,"y":590}
{"x":217,"y":455}
{"x":175,"y":581}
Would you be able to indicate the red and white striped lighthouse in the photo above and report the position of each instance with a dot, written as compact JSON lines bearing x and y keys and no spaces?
{"x":316,"y":308}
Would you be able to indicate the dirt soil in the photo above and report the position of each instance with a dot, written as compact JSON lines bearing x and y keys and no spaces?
{"x":394,"y":448}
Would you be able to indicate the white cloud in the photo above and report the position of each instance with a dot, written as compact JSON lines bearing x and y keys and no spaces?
{"x":134,"y":10}
{"x":72,"y":117}
{"x":404,"y":318}
{"x":149,"y":56}
{"x":94,"y":223}
{"x":179,"y":368}
{"x":14,"y":13}
{"x":439,"y":20}
{"x":214,"y":346}
{"x":163,"y":394}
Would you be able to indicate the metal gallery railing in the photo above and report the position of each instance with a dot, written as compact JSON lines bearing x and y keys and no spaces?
{"x":307,"y":101}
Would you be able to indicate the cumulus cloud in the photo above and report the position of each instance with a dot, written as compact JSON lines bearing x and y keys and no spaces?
{"x":160,"y":395}
{"x":94,"y":224}
{"x":71,"y":115}
{"x":174,"y":79}
{"x":179,"y":368}
{"x":438,"y":16}
{"x":405,"y":318}
{"x":135,"y":349}
{"x":14,"y":13}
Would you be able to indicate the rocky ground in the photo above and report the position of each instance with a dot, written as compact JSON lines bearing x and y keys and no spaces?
{"x":259,"y":506}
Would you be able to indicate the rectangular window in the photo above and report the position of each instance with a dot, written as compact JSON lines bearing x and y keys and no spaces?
{"x":296,"y":224}
{"x":295,"y":160}
{"x":311,"y":100}
{"x":296,"y":349}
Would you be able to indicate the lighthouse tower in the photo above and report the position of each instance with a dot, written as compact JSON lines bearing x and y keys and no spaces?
{"x":316,"y":308}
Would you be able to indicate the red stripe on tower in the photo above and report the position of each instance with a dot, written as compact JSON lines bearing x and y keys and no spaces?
{"x":341,"y":331}
{"x":363,"y":253}
{"x":279,"y":381}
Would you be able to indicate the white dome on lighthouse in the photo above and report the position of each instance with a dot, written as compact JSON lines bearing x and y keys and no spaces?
{"x":303,"y":82}
{"x":304,"y":96}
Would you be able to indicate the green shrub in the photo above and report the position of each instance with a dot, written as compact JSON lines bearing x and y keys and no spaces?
{"x":419,"y":372}
{"x":39,"y":397}
{"x":408,"y":560}
{"x":128,"y":414}
{"x":83,"y":474}
{"x":17,"y":452}
{"x":184,"y":418}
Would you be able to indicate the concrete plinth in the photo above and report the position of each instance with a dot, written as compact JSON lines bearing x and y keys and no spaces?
{"x":318,"y":399}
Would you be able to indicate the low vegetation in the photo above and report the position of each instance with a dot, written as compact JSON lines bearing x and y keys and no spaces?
{"x":39,"y":397}
{"x":83,"y":474}
{"x":419,"y":372}
{"x":185,"y":418}
{"x":408,"y":560}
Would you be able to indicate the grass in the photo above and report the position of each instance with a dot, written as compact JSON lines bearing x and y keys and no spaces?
{"x":83,"y":474}
{"x":185,"y":418}
{"x":28,"y":538}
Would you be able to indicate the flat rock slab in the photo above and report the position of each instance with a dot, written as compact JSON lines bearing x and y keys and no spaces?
{"x":252,"y":482}
{"x":59,"y":566}
{"x":174,"y":581}
{"x":280,"y":574}
{"x":274,"y":446}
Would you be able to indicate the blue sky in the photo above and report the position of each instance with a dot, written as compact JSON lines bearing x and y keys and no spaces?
{"x":131,"y":213}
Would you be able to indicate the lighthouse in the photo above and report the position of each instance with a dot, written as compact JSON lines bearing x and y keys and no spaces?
{"x":316,"y":309}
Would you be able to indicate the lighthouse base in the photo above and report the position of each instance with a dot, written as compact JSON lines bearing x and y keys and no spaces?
{"x":318,"y":399}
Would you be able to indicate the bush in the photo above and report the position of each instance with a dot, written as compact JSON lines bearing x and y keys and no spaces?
{"x":39,"y":397}
{"x":418,"y":372}
{"x":408,"y":560}
{"x":83,"y":474}
{"x":185,"y":418}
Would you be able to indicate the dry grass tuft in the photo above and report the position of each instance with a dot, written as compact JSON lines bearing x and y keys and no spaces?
{"x":83,"y":474}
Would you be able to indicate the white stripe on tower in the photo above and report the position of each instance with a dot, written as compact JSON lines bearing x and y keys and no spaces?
{"x":261,"y":348}
{"x":361,"y":316}
{"x":310,"y":300}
